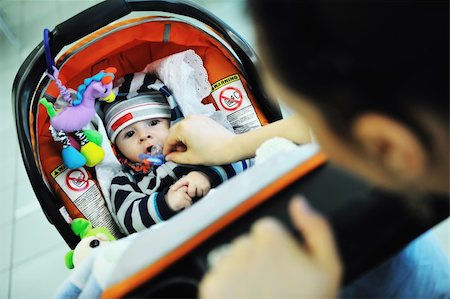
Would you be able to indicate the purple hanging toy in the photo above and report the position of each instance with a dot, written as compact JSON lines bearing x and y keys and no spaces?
{"x":74,"y":117}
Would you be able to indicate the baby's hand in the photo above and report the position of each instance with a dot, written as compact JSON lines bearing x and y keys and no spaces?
{"x":196,"y":182}
{"x":178,"y":199}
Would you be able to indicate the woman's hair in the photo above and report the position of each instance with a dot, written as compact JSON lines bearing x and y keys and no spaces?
{"x":349,"y":57}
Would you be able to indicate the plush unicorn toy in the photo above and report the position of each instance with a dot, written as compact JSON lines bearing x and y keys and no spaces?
{"x":77,"y":115}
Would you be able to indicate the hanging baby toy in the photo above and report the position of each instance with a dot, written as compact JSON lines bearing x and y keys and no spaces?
{"x":74,"y":117}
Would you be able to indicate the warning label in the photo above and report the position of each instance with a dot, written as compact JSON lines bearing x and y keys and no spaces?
{"x":215,"y":86}
{"x":244,"y":120}
{"x":86,"y":196}
{"x":76,"y":180}
{"x":232,"y":99}
{"x":58,"y":170}
{"x":93,"y":207}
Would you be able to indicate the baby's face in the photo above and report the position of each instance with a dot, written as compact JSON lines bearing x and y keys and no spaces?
{"x":139,"y":137}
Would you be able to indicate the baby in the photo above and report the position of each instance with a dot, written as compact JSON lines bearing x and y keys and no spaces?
{"x":138,"y":123}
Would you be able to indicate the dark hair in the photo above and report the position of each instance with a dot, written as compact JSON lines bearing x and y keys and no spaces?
{"x":354,"y":56}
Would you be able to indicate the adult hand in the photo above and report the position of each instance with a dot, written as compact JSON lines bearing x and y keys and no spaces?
{"x":199,"y":140}
{"x":270,"y":263}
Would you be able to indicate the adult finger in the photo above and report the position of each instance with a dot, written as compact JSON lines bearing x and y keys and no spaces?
{"x":180,"y":147}
{"x":224,"y":263}
{"x":319,"y":240}
{"x":172,"y":139}
{"x":269,"y":232}
{"x":176,"y":148}
{"x":181,"y":157}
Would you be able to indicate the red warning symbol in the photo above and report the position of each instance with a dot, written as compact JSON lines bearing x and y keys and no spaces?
{"x":77,"y":180}
{"x":231,"y":98}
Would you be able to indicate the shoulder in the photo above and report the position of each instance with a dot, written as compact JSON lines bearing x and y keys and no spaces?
{"x":123,"y":177}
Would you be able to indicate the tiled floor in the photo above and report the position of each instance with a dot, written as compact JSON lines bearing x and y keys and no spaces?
{"x":30,"y":247}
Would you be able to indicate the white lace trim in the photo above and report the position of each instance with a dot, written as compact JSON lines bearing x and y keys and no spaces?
{"x":201,"y":76}
{"x":184,"y":74}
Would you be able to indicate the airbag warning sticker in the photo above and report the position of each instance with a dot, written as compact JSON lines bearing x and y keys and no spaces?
{"x":232,"y":99}
{"x":85,"y":195}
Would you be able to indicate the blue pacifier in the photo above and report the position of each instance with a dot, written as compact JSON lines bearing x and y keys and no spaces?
{"x":155,"y":157}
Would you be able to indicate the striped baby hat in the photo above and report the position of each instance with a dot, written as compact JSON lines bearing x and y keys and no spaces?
{"x":139,"y":96}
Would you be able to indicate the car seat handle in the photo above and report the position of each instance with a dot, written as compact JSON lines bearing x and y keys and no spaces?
{"x":104,"y":13}
{"x":88,"y":21}
{"x":109,"y":11}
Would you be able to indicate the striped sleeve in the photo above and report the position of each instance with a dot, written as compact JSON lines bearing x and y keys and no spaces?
{"x":134,"y":209}
{"x":220,"y":174}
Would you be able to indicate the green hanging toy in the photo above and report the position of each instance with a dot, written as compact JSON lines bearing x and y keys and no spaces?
{"x":90,"y":239}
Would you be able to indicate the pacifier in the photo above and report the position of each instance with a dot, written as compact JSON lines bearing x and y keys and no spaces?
{"x":155,"y":157}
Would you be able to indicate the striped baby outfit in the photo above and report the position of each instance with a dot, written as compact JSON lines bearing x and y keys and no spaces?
{"x":138,"y":198}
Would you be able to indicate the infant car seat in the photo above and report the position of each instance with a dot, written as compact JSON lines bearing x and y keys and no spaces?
{"x":129,"y":45}
{"x":368,"y":230}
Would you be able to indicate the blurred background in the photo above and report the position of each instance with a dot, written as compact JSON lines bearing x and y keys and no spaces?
{"x":31,"y":250}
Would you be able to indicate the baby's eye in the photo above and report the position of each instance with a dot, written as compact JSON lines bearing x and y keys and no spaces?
{"x":129,"y":134}
{"x":154,"y":122}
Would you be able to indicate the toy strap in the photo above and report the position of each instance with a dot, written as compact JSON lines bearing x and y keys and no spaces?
{"x":48,"y":54}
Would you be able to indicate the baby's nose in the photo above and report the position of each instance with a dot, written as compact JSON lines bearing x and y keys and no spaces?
{"x":145,"y":137}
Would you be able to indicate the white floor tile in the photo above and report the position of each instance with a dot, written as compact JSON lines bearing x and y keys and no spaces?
{"x":20,"y":168}
{"x":7,"y":48}
{"x":36,"y":230}
{"x":10,"y":68}
{"x":11,"y":9}
{"x":4,"y":284}
{"x":7,"y":127}
{"x":6,"y":204}
{"x":9,"y":152}
{"x":5,"y":247}
{"x":25,"y":198}
{"x":39,"y":277}
{"x":42,"y":14}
